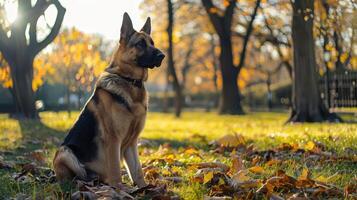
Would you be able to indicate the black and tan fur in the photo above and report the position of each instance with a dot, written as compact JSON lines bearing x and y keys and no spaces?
{"x":108,"y":127}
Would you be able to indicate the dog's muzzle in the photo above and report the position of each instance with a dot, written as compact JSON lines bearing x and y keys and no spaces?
{"x":158,"y":58}
{"x":151,"y":59}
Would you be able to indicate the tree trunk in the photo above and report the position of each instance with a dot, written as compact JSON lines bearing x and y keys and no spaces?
{"x":230,"y":102}
{"x":22,"y":76}
{"x":307,"y":104}
{"x":171,"y":64}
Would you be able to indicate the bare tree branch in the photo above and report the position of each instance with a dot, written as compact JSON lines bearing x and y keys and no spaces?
{"x":247,"y":35}
{"x":38,"y":46}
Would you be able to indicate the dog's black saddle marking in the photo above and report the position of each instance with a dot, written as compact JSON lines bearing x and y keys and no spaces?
{"x":81,"y":137}
{"x":119,"y":99}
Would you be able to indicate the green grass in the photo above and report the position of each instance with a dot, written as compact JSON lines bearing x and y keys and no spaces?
{"x":194,"y":129}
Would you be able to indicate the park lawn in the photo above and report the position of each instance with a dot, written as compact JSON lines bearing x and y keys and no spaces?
{"x":174,"y":147}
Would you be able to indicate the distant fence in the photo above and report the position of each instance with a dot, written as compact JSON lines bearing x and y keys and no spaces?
{"x":339,"y":89}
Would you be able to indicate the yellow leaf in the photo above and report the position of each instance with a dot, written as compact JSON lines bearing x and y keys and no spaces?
{"x":304,"y":174}
{"x":170,"y":156}
{"x":191,"y":151}
{"x":231,"y":140}
{"x":322,"y":179}
{"x":241,"y":176}
{"x":310,"y":145}
{"x":221,"y":181}
{"x":207,"y":177}
{"x":257,"y":169}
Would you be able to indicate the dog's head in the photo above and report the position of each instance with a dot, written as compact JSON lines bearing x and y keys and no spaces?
{"x":137,"y":48}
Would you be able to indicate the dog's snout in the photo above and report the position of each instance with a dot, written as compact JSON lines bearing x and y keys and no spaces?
{"x":160,"y":56}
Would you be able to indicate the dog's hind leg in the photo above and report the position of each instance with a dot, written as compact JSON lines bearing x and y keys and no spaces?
{"x":67,"y":166}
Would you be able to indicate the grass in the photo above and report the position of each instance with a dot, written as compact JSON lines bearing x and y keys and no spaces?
{"x":195,"y":129}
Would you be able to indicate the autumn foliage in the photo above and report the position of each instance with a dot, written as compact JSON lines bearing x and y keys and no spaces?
{"x":77,"y":59}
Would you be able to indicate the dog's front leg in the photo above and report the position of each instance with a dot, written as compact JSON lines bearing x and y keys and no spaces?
{"x":112,"y":159}
{"x":133,"y":165}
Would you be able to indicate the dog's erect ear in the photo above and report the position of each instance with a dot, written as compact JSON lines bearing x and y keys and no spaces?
{"x":147,"y":26}
{"x":126,"y":28}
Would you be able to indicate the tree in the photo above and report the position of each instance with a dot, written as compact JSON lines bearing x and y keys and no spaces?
{"x":307,"y":104}
{"x":230,"y":102}
{"x":170,"y":60}
{"x":20,"y":50}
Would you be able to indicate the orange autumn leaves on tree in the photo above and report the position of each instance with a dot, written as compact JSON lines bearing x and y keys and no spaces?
{"x":41,"y":68}
{"x":73,"y":59}
{"x":77,"y":59}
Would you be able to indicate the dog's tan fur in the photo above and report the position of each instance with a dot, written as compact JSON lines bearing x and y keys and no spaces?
{"x":118,"y":127}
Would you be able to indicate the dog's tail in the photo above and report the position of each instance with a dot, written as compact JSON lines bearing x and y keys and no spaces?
{"x":66,"y":165}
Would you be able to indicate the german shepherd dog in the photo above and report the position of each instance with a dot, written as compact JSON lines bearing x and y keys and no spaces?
{"x":108,"y":127}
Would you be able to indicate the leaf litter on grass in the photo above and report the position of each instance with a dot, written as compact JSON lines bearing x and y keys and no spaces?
{"x":255,"y":182}
{"x":240,"y":171}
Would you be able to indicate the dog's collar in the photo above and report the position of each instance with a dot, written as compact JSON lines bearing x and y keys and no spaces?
{"x":135,"y":82}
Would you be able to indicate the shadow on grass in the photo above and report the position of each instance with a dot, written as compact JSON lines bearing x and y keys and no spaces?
{"x":36,"y":135}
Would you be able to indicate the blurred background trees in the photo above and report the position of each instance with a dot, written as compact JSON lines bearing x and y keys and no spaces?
{"x":77,"y":60}
{"x":231,"y":55}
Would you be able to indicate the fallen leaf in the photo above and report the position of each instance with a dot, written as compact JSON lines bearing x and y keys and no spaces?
{"x":310,"y":145}
{"x":237,"y":164}
{"x":231,"y":140}
{"x":256,"y":169}
{"x":207,"y":177}
{"x":241,"y":176}
{"x":273,"y":162}
{"x":305,"y":174}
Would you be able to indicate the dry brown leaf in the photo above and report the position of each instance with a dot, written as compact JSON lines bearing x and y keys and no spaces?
{"x":231,"y":140}
{"x":350,"y":189}
{"x":256,"y":169}
{"x":273,"y":162}
{"x":256,"y":159}
{"x":241,"y":176}
{"x":237,"y":164}
{"x":38,"y":156}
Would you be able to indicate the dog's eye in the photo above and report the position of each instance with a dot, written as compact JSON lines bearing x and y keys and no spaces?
{"x":141,"y":44}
